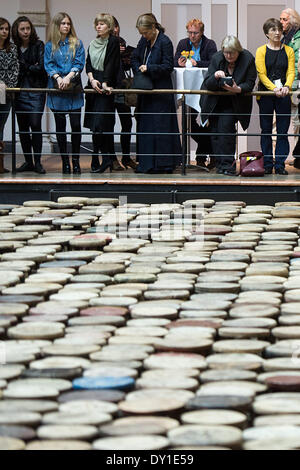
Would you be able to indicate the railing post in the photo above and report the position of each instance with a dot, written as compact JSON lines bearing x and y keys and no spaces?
{"x":13,"y":134}
{"x":184,"y":135}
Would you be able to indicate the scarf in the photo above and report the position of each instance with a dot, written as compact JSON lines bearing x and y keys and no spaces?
{"x":289,"y":36}
{"x":97,"y":51}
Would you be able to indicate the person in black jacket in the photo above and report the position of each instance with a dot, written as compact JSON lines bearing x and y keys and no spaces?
{"x":158,"y":142}
{"x":203,"y":49}
{"x":121,"y":107}
{"x":223,"y":112}
{"x":102,"y":67}
{"x":30,"y":105}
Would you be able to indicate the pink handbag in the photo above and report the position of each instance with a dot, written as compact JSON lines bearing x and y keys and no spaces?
{"x":252,"y":164}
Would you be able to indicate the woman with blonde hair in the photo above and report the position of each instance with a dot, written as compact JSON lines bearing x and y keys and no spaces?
{"x":64,"y":61}
{"x":102,"y":67}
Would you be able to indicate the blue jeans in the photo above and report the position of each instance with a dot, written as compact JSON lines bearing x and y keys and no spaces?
{"x":4,"y":112}
{"x":282,"y":108}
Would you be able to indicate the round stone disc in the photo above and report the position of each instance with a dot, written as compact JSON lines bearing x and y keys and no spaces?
{"x":20,"y":418}
{"x":38,"y":330}
{"x":58,"y":445}
{"x":93,"y":418}
{"x":104,"y":395}
{"x":206,"y":435}
{"x":283,"y":382}
{"x":253,"y":310}
{"x":74,"y":431}
{"x":271,"y":432}
{"x":274,"y":404}
{"x":242,"y":346}
{"x":88,"y":406}
{"x":151,"y":405}
{"x":134,"y":442}
{"x":103,"y":383}
{"x":240,"y":403}
{"x":24,"y":433}
{"x":16,"y":309}
{"x":37,"y":406}
{"x":142,"y":422}
{"x":10,"y":443}
{"x":60,"y":362}
{"x":231,"y":388}
{"x":171,"y":360}
{"x":30,"y":391}
{"x":183,"y":344}
{"x":234,"y":361}
{"x":216,"y":375}
{"x":271,"y":444}
{"x":70,"y":350}
{"x":281,"y":363}
{"x":215,"y":417}
{"x":277,"y":420}
{"x":8,"y":372}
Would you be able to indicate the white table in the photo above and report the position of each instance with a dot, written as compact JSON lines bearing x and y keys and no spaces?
{"x":189,"y":79}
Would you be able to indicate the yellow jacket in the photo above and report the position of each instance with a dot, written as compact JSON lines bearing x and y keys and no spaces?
{"x":260,"y":62}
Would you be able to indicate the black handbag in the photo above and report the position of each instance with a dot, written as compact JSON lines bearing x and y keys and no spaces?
{"x":129,"y":98}
{"x":74,"y":85}
{"x":141,"y":81}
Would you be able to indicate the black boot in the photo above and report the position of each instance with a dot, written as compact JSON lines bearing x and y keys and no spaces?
{"x":106,"y":163}
{"x":95,"y":165}
{"x":76,"y":166}
{"x":66,"y":169}
{"x":27,"y":165}
{"x":38,"y":167}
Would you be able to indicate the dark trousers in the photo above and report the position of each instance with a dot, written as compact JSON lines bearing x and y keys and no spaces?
{"x":61,"y":136}
{"x":30,"y":128}
{"x":4,"y":112}
{"x":223,"y":121}
{"x":124,"y":113}
{"x":203,"y":141}
{"x":104,"y":144}
{"x":282,"y":108}
{"x":296,"y":151}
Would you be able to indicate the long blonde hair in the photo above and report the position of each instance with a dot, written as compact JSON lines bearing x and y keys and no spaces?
{"x":55,"y":36}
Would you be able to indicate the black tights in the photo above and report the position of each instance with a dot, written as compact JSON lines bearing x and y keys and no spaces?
{"x":30,"y":128}
{"x":103,"y":143}
{"x":124,"y":113}
{"x":61,"y":136}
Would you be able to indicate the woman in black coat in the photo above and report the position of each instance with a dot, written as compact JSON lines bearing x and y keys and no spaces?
{"x":222,"y":111}
{"x":30,"y":106}
{"x":157,"y":153}
{"x":102,"y":67}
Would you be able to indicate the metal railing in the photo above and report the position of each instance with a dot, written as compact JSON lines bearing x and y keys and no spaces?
{"x":185,"y":134}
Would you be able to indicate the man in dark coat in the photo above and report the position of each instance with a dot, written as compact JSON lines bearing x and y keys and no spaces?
{"x":203,"y":49}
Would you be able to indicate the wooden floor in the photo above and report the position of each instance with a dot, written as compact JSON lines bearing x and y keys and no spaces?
{"x":127,"y":177}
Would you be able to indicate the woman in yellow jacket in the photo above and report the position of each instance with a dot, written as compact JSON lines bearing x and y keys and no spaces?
{"x":275,"y":65}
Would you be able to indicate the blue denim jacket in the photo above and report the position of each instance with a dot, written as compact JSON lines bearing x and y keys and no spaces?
{"x":62,"y":62}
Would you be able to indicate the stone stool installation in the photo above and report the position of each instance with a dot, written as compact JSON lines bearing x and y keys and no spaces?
{"x":149,"y":326}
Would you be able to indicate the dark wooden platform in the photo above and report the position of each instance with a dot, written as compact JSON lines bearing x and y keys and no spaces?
{"x":146,"y":188}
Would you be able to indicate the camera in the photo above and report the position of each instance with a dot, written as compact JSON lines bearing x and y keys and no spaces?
{"x":226,"y":81}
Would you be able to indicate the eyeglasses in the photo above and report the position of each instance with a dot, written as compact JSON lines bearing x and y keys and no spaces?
{"x":191,"y":33}
{"x":229,"y":52}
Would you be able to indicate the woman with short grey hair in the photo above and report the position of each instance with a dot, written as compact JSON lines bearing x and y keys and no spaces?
{"x":232,"y":69}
